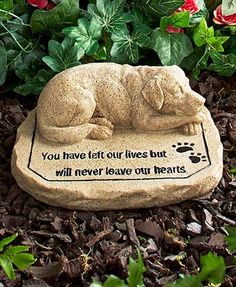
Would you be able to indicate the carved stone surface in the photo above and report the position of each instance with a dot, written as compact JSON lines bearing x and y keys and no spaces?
{"x":106,"y":136}
{"x":128,"y":170}
{"x":89,"y":100}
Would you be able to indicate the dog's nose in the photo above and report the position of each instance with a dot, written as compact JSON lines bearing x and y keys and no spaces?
{"x":195,"y":102}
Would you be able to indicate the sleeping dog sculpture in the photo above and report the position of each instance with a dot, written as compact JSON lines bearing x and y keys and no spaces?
{"x":88,"y":101}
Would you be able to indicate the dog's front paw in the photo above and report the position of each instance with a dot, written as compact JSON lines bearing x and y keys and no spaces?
{"x":102,"y":122}
{"x":100,"y":133}
{"x":192,"y":129}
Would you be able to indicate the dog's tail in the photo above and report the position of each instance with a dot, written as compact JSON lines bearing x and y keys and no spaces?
{"x":65,"y":135}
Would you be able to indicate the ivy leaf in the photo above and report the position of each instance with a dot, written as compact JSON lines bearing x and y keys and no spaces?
{"x":135,"y":271}
{"x":156,"y":8}
{"x":197,"y":61}
{"x":212,"y":268}
{"x":7,"y":267}
{"x":178,"y":20}
{"x":86,"y":34}
{"x":216,"y":42}
{"x":172,"y":48}
{"x":34,"y":86}
{"x":186,"y":281}
{"x":20,"y":7}
{"x":7,"y":6}
{"x":3,"y":63}
{"x":63,"y":56}
{"x":114,"y":281}
{"x":231,"y":238}
{"x":101,"y":55}
{"x":7,"y":240}
{"x":202,"y":33}
{"x":228,"y":7}
{"x":110,"y":15}
{"x":127,"y":44}
{"x":64,"y":14}
{"x":224,"y":65}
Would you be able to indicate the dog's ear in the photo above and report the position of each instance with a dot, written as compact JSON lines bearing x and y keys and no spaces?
{"x":153,"y":94}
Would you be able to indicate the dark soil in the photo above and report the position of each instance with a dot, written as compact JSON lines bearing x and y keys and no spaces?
{"x":72,"y":246}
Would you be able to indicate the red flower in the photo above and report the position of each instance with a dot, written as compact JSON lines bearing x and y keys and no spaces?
{"x":41,"y":4}
{"x":221,"y":19}
{"x":189,"y":5}
{"x":172,"y":29}
{"x":50,"y":6}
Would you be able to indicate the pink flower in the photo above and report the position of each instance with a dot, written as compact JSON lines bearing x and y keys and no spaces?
{"x":189,"y":5}
{"x":172,"y":29}
{"x":221,"y":19}
{"x":41,"y":4}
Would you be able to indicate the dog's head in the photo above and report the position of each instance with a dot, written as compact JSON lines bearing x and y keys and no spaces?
{"x":168,"y":91}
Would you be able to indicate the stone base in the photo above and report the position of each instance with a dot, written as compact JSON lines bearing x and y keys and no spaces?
{"x":129,"y":170}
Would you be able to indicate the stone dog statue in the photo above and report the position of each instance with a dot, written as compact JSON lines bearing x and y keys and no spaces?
{"x":89,"y":100}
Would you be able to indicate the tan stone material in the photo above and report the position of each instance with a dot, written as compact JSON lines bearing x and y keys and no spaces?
{"x":107,"y":136}
{"x":89,"y":100}
{"x":128,"y":170}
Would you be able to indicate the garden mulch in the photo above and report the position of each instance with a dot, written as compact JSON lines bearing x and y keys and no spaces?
{"x":73,"y":246}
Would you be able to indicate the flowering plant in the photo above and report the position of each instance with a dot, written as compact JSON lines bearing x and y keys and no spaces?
{"x":39,"y":38}
{"x":41,"y":4}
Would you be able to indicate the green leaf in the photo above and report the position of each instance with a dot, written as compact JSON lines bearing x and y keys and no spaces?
{"x":135,"y":271}
{"x":127,"y":44}
{"x":13,"y":250}
{"x":23,"y":260}
{"x":7,"y":6}
{"x":228,"y":7}
{"x":187,"y":281}
{"x":201,"y":33}
{"x":101,"y":55}
{"x":95,"y":284}
{"x":155,"y":8}
{"x":109,"y":14}
{"x":7,"y":240}
{"x":64,"y":14}
{"x":34,"y":86}
{"x":20,"y":7}
{"x":86,"y":35}
{"x":7,"y":267}
{"x":197,"y":61}
{"x":172,"y":48}
{"x":3,"y":63}
{"x":63,"y":56}
{"x":231,"y":238}
{"x":113,"y":281}
{"x":216,"y":42}
{"x":224,"y":65}
{"x":212,"y":268}
{"x":179,"y":20}
{"x":232,"y":171}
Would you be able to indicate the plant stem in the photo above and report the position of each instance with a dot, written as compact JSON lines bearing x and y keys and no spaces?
{"x":16,"y":41}
{"x":15,"y":16}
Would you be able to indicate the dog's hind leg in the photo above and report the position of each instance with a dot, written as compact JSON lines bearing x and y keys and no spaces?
{"x":69,"y":121}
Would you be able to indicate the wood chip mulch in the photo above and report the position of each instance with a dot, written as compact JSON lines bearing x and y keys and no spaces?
{"x":72,"y":246}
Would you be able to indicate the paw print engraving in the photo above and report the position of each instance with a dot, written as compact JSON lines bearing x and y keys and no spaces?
{"x":183,"y":147}
{"x":196,"y":158}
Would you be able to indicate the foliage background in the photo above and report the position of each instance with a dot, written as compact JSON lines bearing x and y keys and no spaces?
{"x":36,"y":44}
